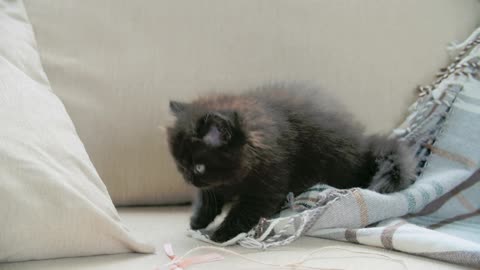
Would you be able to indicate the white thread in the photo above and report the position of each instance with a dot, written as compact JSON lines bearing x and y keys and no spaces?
{"x":454,"y":47}
{"x":270,"y":227}
{"x":299,"y":263}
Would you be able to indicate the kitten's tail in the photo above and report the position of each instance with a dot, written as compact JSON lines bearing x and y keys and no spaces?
{"x":392,"y":166}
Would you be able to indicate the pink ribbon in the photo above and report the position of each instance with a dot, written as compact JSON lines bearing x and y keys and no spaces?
{"x":182,"y":263}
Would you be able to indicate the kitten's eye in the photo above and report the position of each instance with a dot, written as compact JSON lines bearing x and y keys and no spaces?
{"x":199,"y":169}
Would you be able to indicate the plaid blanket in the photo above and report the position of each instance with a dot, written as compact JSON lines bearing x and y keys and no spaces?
{"x":438,"y":216}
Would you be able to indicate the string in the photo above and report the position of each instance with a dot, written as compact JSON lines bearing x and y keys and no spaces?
{"x":295,"y":265}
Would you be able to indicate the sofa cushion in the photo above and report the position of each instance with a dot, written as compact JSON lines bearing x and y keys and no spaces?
{"x":115,"y":64}
{"x":52,"y":201}
{"x":168,"y":225}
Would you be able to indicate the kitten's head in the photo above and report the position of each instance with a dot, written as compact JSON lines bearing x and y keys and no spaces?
{"x":207,"y":145}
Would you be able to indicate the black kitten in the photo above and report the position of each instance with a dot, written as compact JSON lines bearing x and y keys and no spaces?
{"x":255,"y":148}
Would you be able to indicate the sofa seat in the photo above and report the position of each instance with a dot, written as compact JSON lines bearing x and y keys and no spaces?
{"x":160,"y":225}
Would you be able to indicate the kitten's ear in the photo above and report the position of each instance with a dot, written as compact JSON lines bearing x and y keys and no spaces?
{"x":177,"y":107}
{"x":219,"y":128}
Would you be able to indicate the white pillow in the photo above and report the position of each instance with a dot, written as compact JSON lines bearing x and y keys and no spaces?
{"x":52,"y":201}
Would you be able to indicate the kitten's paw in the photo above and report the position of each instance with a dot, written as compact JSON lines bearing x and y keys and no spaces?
{"x":384,"y":187}
{"x":387,"y":186}
{"x":197,"y":223}
{"x":224,"y":234}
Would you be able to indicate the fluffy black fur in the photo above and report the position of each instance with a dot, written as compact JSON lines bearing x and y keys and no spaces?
{"x":254,"y":148}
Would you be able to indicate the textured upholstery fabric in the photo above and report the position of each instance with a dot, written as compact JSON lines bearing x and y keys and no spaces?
{"x":52,"y":201}
{"x":115,"y":64}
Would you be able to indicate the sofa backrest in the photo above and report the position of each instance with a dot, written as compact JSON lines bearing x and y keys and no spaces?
{"x":116,"y":63}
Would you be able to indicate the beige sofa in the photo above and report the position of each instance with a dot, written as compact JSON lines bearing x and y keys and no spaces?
{"x":115,"y":64}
